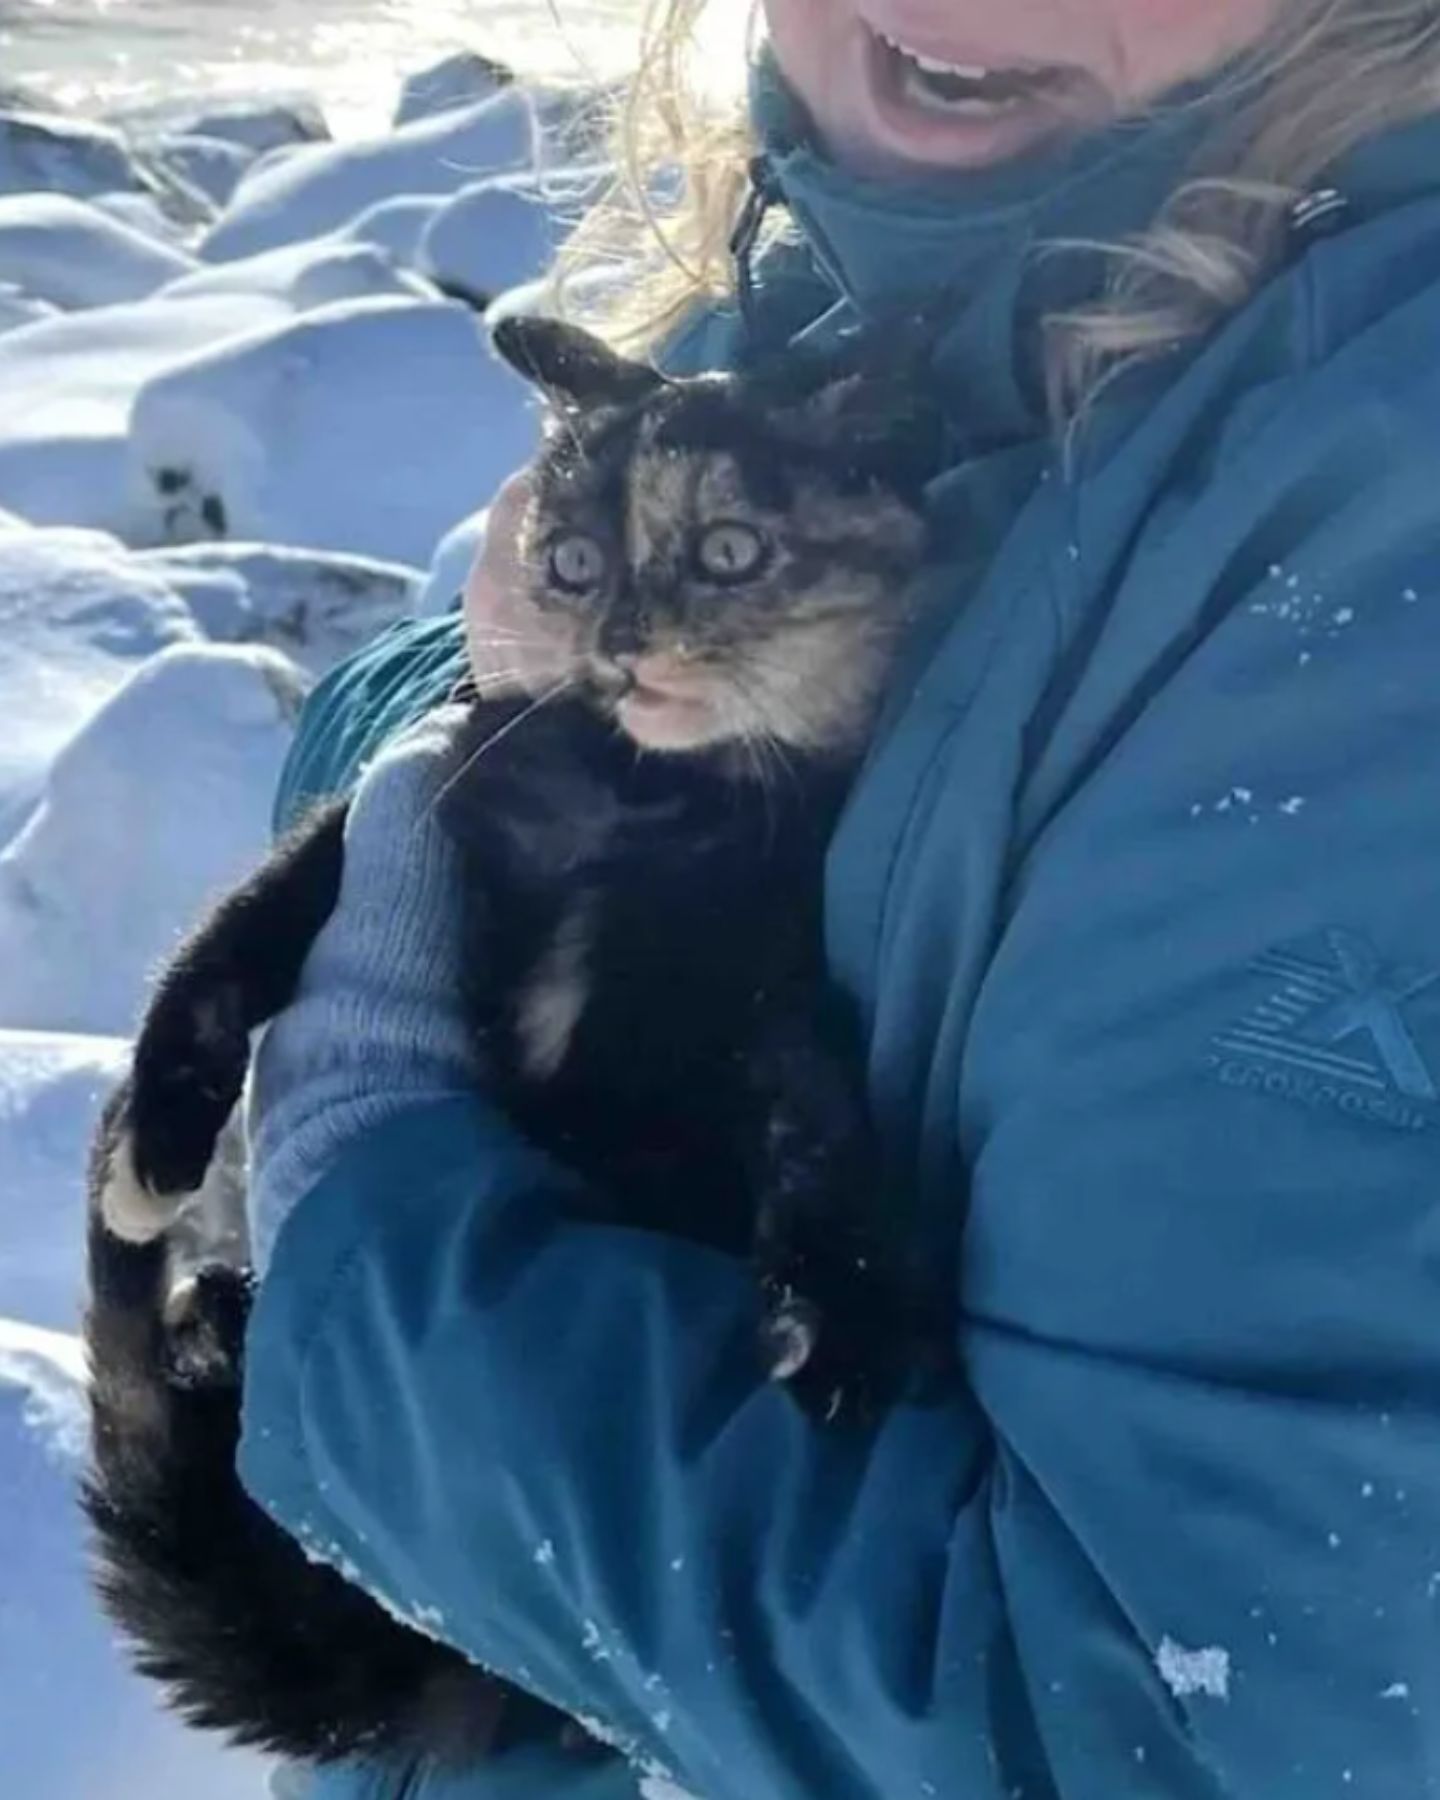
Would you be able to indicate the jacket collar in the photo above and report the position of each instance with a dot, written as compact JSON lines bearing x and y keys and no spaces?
{"x":977,"y":238}
{"x":980,"y":238}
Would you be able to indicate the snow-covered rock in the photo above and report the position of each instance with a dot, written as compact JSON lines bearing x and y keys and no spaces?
{"x":316,"y":606}
{"x":11,"y":521}
{"x":56,"y":248}
{"x":76,"y":617}
{"x":255,"y":125}
{"x":370,"y":427}
{"x":18,"y":308}
{"x":395,"y":226}
{"x":43,"y":151}
{"x":499,"y":233}
{"x":451,"y":564}
{"x":143,"y":213}
{"x":156,"y":806}
{"x":75,"y":1721}
{"x":458,"y":80}
{"x":52,"y":1087}
{"x":211,"y":165}
{"x":315,"y":273}
{"x":320,"y":188}
{"x":68,"y":385}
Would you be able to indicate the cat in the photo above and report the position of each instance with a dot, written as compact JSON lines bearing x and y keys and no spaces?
{"x":656,"y":742}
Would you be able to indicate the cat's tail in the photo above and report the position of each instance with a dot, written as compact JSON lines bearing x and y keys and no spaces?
{"x":216,"y":1602}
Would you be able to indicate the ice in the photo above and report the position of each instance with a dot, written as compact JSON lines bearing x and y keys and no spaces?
{"x":254,"y":439}
{"x":320,"y":188}
{"x":43,"y":151}
{"x":117,"y":859}
{"x":69,"y":384}
{"x":56,"y":248}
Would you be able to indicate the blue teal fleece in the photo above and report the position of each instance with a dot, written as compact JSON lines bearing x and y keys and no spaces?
{"x":1140,"y":899}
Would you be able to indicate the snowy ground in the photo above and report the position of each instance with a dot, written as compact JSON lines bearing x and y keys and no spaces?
{"x":243,"y":423}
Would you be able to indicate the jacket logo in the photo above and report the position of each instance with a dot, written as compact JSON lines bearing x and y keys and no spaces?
{"x":1333,"y":1030}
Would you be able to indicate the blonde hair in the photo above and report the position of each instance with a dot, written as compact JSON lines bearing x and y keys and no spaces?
{"x":1327,"y":75}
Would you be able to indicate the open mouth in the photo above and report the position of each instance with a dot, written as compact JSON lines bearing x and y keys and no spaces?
{"x":965,"y":89}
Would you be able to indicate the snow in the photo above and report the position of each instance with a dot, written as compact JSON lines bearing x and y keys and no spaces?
{"x":19,"y":308}
{"x":76,"y":619}
{"x":458,"y":80}
{"x":314,"y":605}
{"x":306,"y":275}
{"x":243,"y":430}
{"x":211,"y":165}
{"x":51,"y":1089}
{"x":75,"y":1723}
{"x":76,"y":943}
{"x":450,"y":565}
{"x":69,"y":385}
{"x":395,"y":225}
{"x":319,"y":188}
{"x":254,"y":126}
{"x":144,"y":213}
{"x":57,"y":248}
{"x":501,"y":232}
{"x":254,"y":427}
{"x":1190,"y":1672}
{"x":45,"y":152}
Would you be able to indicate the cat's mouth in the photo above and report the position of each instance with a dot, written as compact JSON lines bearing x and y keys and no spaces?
{"x":657,"y":700}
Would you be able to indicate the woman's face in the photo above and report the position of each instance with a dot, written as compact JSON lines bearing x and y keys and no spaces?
{"x":896,"y":86}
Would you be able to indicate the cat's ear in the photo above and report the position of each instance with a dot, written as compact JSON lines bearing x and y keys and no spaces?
{"x":574,"y":369}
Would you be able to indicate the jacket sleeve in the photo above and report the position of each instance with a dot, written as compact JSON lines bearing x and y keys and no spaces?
{"x":519,"y":1775}
{"x":550,"y":1443}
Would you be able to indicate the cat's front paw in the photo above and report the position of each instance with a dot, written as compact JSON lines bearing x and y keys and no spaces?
{"x":134,"y":1207}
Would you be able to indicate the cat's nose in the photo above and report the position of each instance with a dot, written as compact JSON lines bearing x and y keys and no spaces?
{"x":621,"y":635}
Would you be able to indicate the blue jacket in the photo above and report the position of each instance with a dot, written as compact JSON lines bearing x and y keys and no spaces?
{"x":1140,"y":898}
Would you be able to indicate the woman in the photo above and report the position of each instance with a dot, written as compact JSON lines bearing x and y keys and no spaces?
{"x":1140,"y":900}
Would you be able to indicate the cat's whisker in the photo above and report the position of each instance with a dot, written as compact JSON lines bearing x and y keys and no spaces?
{"x":510,"y":725}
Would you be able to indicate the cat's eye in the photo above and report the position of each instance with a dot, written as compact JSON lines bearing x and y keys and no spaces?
{"x":730,"y":551}
{"x":577,"y":562}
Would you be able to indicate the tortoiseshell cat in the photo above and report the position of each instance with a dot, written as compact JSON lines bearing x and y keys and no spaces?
{"x":715,"y":574}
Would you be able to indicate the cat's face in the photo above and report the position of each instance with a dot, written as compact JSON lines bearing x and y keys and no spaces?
{"x":709,"y":560}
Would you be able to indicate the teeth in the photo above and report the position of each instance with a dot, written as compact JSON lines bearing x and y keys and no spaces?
{"x":932,"y":65}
